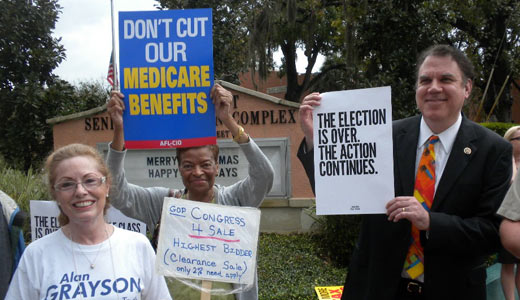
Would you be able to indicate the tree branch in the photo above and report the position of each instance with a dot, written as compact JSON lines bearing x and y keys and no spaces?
{"x":517,"y":86}
{"x":323,"y":72}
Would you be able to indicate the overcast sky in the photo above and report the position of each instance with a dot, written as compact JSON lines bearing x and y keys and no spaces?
{"x":85,"y":29}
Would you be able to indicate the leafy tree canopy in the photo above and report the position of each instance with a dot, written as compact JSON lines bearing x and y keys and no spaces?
{"x":230,"y":31}
{"x":369,"y":42}
{"x":29,"y":92}
{"x":383,"y":38}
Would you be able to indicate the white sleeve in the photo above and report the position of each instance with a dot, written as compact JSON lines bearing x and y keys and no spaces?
{"x":510,"y":207}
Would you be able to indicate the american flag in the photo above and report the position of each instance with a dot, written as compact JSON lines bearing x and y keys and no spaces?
{"x":110,"y":75}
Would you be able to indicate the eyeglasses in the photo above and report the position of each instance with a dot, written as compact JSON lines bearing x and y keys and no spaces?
{"x":515,"y":138}
{"x":90,"y":183}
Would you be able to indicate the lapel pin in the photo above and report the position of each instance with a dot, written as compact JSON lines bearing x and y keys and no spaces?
{"x":467,"y":150}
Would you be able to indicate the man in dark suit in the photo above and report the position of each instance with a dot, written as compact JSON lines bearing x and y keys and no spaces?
{"x":459,"y":229}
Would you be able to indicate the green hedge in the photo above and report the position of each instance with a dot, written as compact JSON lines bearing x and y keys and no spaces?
{"x":290,"y":266}
{"x":499,"y":128}
{"x":338,"y":235}
{"x":23,"y":187}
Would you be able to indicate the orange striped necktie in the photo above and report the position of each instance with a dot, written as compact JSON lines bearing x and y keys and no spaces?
{"x":424,"y":191}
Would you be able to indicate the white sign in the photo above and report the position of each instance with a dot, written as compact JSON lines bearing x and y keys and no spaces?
{"x":44,"y":219}
{"x":208,"y":241}
{"x":353,"y":153}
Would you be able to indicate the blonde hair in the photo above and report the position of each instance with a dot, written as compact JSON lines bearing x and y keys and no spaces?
{"x":510,"y":131}
{"x":67,"y":152}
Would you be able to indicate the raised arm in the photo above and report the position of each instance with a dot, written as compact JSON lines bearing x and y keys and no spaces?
{"x":134,"y":201}
{"x":115,"y":108}
{"x":222,"y":100}
{"x":307,"y":106}
{"x":251,"y":190}
{"x":305,"y":151}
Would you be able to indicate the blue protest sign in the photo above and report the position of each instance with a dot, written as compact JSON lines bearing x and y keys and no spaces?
{"x":166,"y":73}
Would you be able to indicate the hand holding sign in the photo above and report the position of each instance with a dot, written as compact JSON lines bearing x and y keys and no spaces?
{"x":309,"y":102}
{"x":222,"y":100}
{"x":115,"y":108}
{"x":408,"y":208}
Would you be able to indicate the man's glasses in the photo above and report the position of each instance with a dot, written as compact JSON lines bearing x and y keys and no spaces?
{"x":515,"y":139}
{"x":90,"y":183}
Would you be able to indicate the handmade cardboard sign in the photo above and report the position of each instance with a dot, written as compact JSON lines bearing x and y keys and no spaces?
{"x":44,"y":219}
{"x":208,"y":241}
{"x":353,"y":152}
{"x":166,"y":74}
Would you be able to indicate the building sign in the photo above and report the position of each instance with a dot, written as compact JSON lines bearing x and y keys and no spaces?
{"x":98,"y":123}
{"x":261,"y":117}
{"x":160,"y":167}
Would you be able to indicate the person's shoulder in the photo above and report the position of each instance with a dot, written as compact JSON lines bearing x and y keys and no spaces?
{"x":46,"y":242}
{"x":51,"y":237}
{"x":138,"y":242}
{"x":129,"y":236}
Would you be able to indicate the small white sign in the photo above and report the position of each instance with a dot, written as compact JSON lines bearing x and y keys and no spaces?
{"x":44,"y":219}
{"x":353,"y":152}
{"x":208,"y":241}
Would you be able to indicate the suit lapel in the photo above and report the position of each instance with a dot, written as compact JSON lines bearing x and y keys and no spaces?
{"x":461,"y":153}
{"x":406,"y":145}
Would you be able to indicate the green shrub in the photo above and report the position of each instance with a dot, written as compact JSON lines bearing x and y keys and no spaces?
{"x":337,"y":237}
{"x":289,"y":267}
{"x":22,"y":187}
{"x":498,"y":127}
